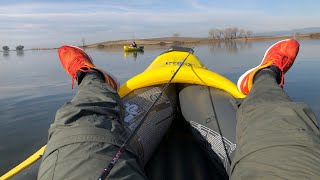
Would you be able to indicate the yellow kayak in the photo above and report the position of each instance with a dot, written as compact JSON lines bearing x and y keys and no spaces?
{"x":131,"y":48}
{"x":159,"y":72}
{"x":192,"y":72}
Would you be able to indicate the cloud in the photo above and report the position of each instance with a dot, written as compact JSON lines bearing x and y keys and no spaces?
{"x":55,"y":23}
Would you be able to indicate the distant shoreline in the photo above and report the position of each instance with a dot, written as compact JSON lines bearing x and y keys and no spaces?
{"x":178,"y":41}
{"x":191,"y":40}
{"x":163,"y":41}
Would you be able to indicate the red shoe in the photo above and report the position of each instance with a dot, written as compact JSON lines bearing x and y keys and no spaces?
{"x":282,"y":54}
{"x":74,"y":59}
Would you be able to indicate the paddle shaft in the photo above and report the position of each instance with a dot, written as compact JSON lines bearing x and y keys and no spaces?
{"x":123,"y":147}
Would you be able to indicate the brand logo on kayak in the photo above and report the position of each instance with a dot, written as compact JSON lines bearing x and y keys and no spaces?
{"x":132,"y":111}
{"x":179,"y":63}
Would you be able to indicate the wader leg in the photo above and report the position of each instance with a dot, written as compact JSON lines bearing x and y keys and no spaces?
{"x":276,"y":138}
{"x":86,"y":135}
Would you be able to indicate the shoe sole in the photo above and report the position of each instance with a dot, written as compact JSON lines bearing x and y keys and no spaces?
{"x":91,"y":61}
{"x":250,"y":70}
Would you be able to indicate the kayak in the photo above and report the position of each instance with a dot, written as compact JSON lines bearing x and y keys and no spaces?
{"x":131,"y":48}
{"x":132,"y":53}
{"x":196,"y":104}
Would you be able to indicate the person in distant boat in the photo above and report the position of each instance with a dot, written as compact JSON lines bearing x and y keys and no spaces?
{"x":276,"y":137}
{"x":134,"y":44}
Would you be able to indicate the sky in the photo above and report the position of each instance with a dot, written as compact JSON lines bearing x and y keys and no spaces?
{"x":44,"y":23}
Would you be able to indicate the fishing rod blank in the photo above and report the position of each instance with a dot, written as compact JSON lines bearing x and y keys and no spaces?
{"x":123,"y":147}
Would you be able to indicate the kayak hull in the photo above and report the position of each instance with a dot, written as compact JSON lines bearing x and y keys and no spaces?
{"x":133,"y":49}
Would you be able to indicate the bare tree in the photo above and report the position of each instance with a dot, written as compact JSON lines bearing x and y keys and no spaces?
{"x":234,"y":32}
{"x":229,"y":33}
{"x":249,"y":33}
{"x":175,"y":35}
{"x":211,"y":33}
{"x":215,"y":33}
{"x":220,"y":33}
{"x":242,"y":33}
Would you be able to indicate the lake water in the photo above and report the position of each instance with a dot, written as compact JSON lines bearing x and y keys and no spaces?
{"x":33,"y":85}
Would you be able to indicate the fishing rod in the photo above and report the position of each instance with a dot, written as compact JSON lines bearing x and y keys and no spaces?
{"x":219,"y":128}
{"x":123,"y":147}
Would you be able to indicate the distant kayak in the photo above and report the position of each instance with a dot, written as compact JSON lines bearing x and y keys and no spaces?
{"x":131,"y":48}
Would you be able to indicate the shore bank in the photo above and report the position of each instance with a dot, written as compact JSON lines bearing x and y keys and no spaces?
{"x":163,"y":41}
{"x":188,"y":40}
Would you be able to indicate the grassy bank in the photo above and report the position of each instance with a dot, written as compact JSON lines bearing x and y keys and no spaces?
{"x":188,"y":40}
{"x":185,"y":40}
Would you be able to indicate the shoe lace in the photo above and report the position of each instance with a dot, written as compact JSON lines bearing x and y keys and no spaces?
{"x":77,"y":64}
{"x":282,"y":62}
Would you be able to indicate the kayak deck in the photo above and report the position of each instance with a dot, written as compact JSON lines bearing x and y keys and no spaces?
{"x":192,"y":71}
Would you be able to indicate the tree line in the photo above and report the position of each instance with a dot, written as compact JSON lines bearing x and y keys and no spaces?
{"x":229,"y":33}
{"x":18,"y":48}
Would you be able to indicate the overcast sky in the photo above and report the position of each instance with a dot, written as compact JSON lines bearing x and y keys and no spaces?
{"x":45,"y":23}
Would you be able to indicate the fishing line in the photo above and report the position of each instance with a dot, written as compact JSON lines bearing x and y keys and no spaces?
{"x":123,"y":147}
{"x":219,"y":128}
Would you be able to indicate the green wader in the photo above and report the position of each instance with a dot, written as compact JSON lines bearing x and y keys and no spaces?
{"x":276,"y":138}
{"x":86,"y":135}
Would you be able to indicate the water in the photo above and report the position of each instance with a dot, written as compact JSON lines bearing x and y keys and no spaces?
{"x":33,"y":85}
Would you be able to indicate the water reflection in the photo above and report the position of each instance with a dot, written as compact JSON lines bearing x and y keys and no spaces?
{"x":230,"y":46}
{"x":20,"y":52}
{"x":5,"y":53}
{"x":133,"y":54}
